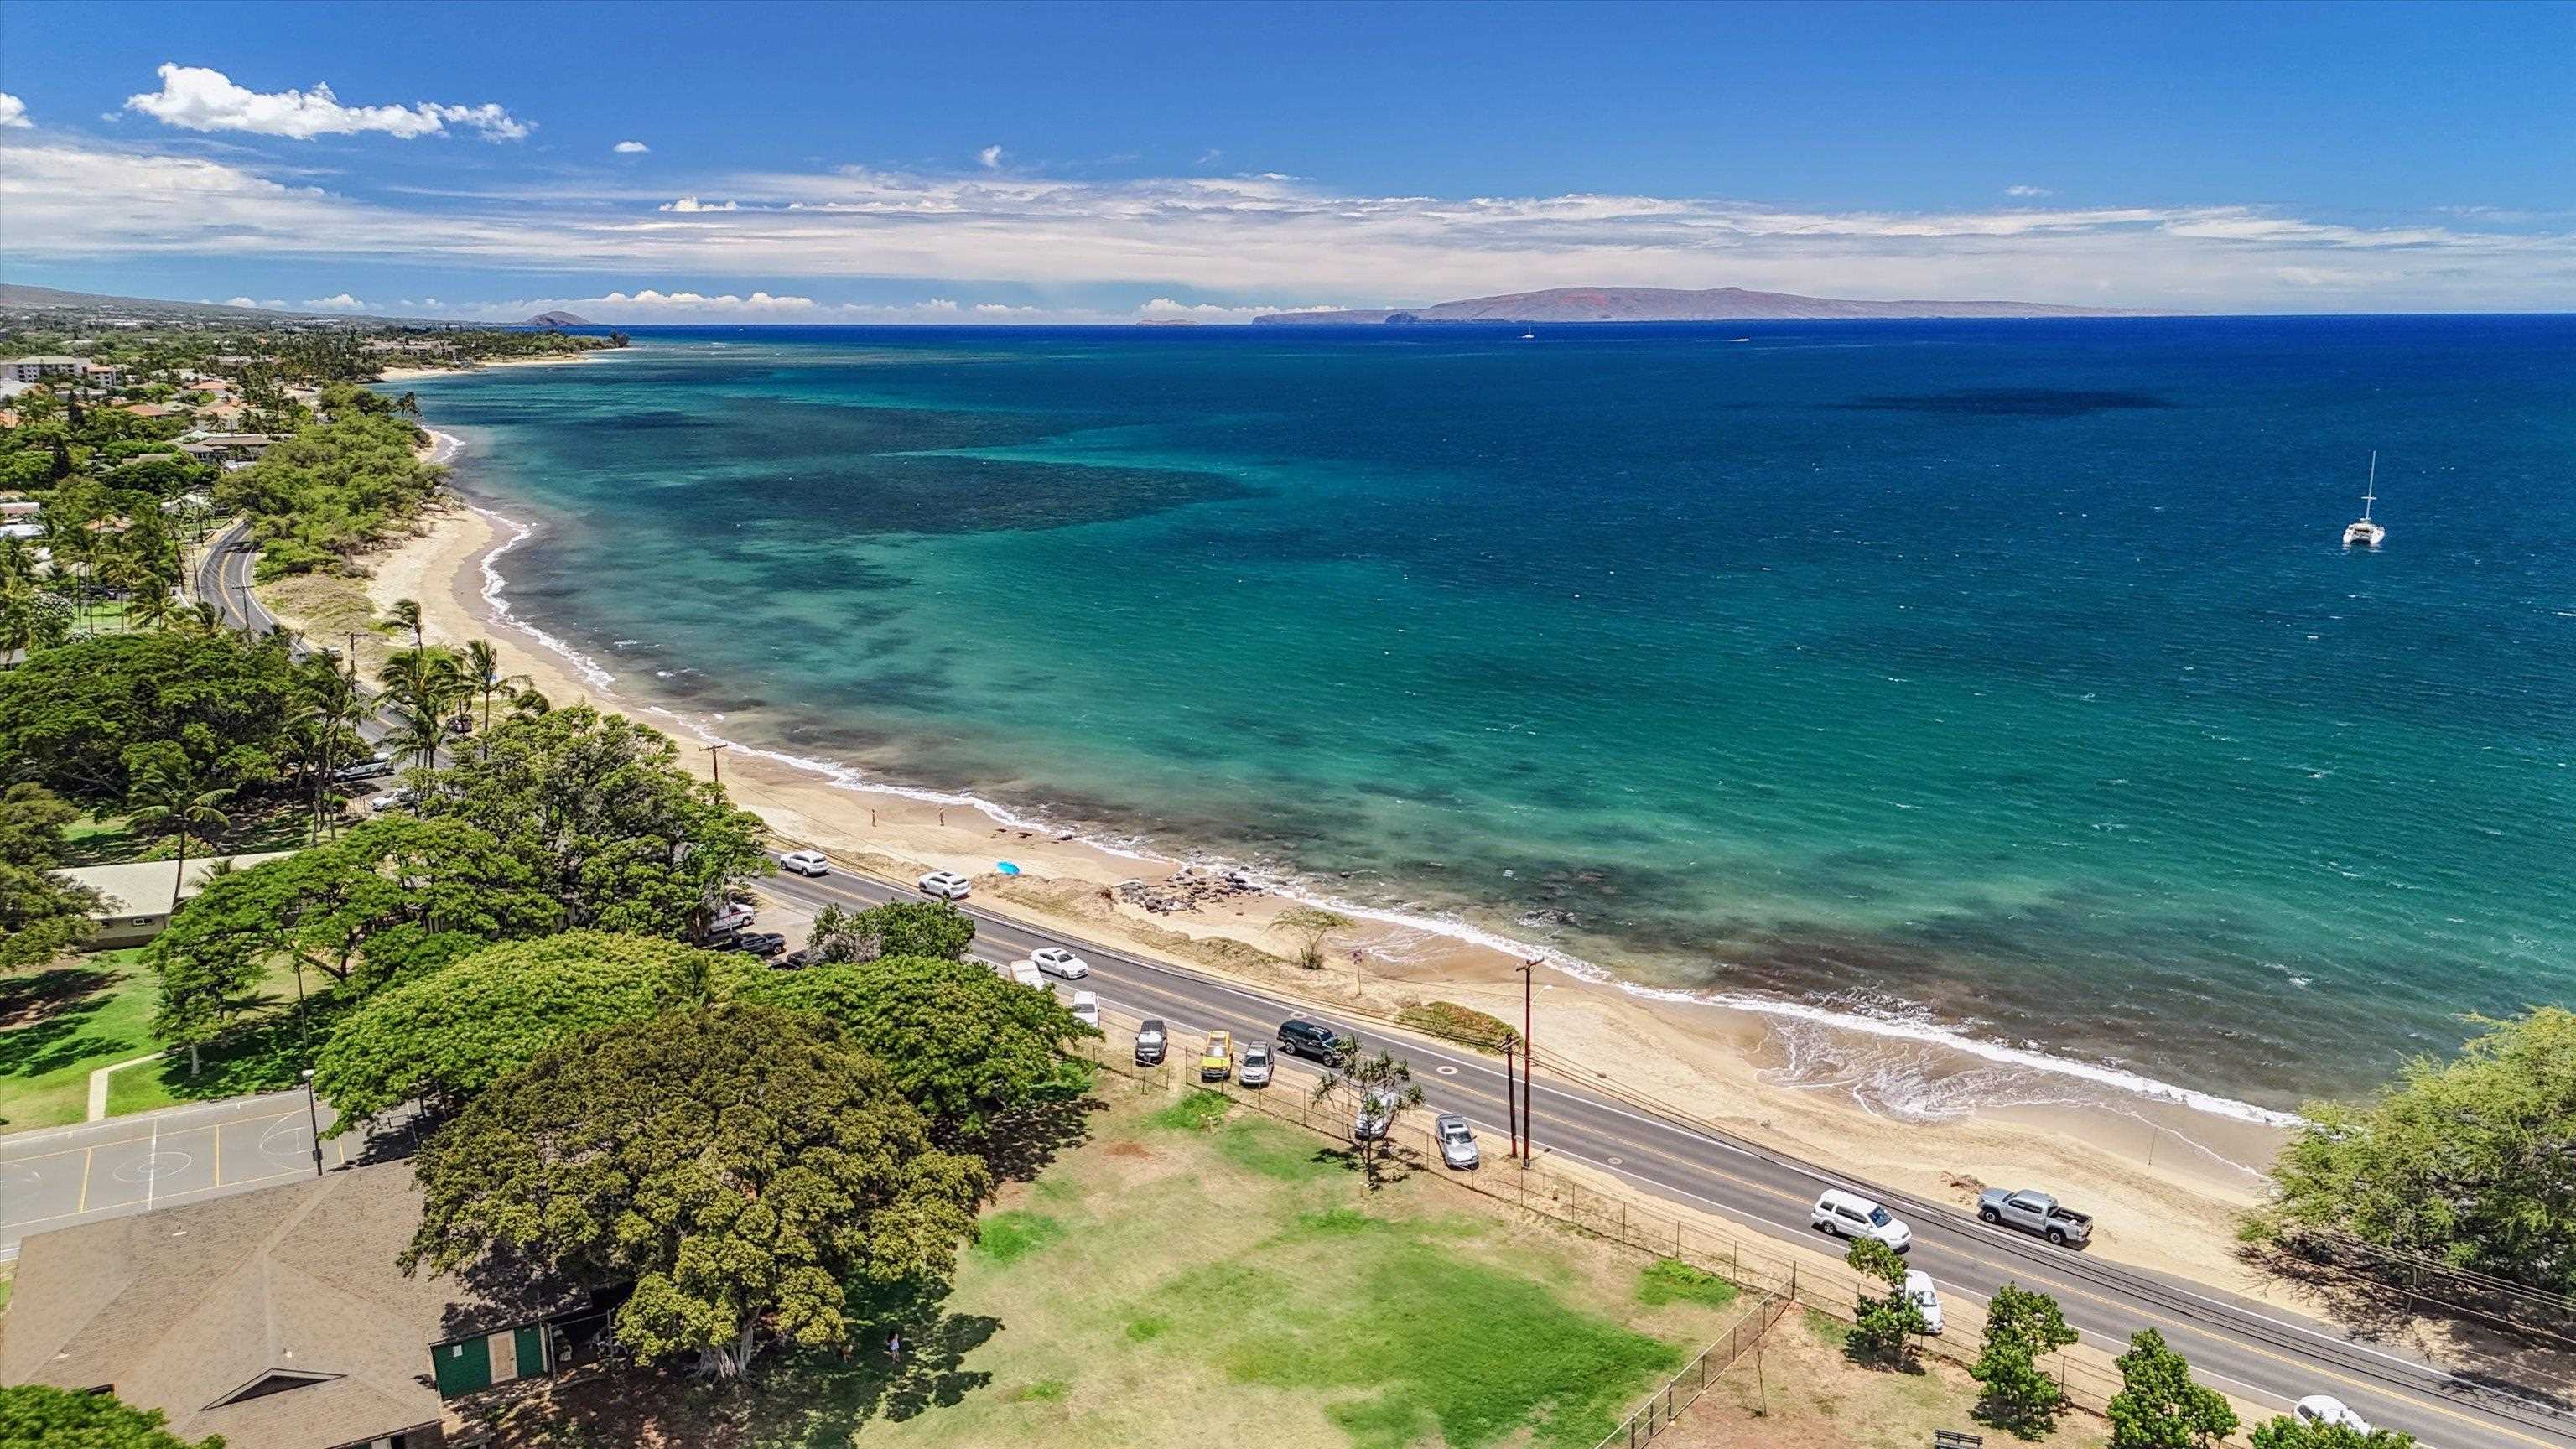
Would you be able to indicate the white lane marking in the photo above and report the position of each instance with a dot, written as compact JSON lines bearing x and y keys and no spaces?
{"x":166,"y":1114}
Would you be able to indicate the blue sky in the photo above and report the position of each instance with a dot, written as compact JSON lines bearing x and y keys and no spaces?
{"x":1099,"y":162}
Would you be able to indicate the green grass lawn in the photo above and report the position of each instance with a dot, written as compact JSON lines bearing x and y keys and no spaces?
{"x":1190,"y":1277}
{"x":111,"y":839}
{"x":62,"y":1023}
{"x":67,"y":1022}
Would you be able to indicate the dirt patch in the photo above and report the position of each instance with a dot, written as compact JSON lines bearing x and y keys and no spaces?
{"x":1127,"y":1149}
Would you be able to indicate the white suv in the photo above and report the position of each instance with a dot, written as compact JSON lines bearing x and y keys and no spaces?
{"x":1849,"y":1215}
{"x":948,"y":885}
{"x":805,"y":862}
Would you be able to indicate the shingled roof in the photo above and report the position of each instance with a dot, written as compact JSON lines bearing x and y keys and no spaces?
{"x":193,"y":1310}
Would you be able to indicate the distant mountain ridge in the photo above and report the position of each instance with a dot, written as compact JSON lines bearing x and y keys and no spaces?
{"x":1673,"y":304}
{"x":559,"y":319}
{"x":17,"y":299}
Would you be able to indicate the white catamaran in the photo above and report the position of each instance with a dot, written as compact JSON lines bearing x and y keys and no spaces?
{"x":2361,"y":532}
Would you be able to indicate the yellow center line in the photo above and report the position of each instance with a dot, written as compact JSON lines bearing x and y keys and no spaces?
{"x":83,"y":1205}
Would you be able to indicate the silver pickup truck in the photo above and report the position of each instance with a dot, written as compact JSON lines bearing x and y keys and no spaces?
{"x":2035,"y":1212}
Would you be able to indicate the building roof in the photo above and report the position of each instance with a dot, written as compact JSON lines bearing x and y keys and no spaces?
{"x":185,"y":1307}
{"x":143,"y":886}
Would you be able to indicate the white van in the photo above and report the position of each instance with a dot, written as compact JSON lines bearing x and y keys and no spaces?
{"x":1918,"y":1286}
{"x":1849,"y":1215}
{"x":1026,"y":973}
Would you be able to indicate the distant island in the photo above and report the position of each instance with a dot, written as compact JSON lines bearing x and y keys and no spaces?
{"x":559,"y":319}
{"x":1670,"y":304}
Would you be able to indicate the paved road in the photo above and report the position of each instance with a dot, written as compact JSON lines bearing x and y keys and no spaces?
{"x":128,"y":1165}
{"x":2254,"y":1350}
{"x":2259,"y":1352}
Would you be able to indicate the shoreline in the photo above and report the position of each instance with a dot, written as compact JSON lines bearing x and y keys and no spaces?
{"x":2185,"y":1161}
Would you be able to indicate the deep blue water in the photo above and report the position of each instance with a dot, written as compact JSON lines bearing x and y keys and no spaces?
{"x":2006,"y":672}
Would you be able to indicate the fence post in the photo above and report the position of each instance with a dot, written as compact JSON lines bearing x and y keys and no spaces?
{"x":1793,"y":1281}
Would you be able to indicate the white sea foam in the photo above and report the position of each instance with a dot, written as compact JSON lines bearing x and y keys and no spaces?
{"x":1909,"y":1027}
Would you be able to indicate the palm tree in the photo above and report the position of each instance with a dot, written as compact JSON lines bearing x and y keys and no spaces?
{"x":424,"y":685}
{"x":173,"y":796}
{"x":483,"y":667}
{"x":205,"y":616}
{"x":152,"y":607}
{"x":406,"y":615}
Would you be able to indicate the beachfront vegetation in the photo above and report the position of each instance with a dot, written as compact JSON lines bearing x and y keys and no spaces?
{"x":2464,"y":1162}
{"x":2159,"y":1407}
{"x":332,"y":488}
{"x":743,"y":1168}
{"x":42,"y":915}
{"x":33,"y":1416}
{"x":1378,"y":1088}
{"x":1309,"y":925}
{"x":2288,"y":1433}
{"x":2022,"y":1328}
{"x":1462,"y":1024}
{"x":897,"y":928}
{"x":1884,"y":1324}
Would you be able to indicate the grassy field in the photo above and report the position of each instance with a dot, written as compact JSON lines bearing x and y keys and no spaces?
{"x":1186,"y":1277}
{"x":58,"y":1026}
{"x":1806,"y":1391}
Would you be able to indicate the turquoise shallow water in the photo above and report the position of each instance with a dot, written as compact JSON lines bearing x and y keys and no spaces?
{"x":2002,"y":675}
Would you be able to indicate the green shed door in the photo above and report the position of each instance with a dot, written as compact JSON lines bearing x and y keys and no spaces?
{"x":532,"y":1351}
{"x":461,"y":1368}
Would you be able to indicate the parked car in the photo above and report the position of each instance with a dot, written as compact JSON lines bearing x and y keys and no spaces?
{"x":2035,"y":1212}
{"x":1086,"y":1009}
{"x":1849,"y":1215}
{"x":947,"y":885}
{"x":374,"y":767}
{"x":764,"y":944}
{"x":1918,"y":1286}
{"x":2326,"y":1409}
{"x":1376,"y":1114}
{"x":1299,"y":1037}
{"x":1255,"y":1071}
{"x":1057,"y":961}
{"x":793,"y":960}
{"x":1457,"y":1141}
{"x":730,"y":917}
{"x":1151,"y":1042}
{"x":402,"y":799}
{"x":1217,"y":1062}
{"x":1026,"y":973}
{"x":805,"y":862}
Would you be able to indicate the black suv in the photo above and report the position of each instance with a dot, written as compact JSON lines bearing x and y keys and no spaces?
{"x":1302,"y":1038}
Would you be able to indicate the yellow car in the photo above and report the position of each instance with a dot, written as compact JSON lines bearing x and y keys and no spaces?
{"x":1217,"y":1062}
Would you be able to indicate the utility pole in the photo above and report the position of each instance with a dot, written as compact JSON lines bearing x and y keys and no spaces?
{"x":715,"y":762}
{"x":1529,"y":1066}
{"x":1511,"y":1099}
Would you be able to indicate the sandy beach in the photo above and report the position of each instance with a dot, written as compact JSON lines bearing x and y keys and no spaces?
{"x":2167,"y":1179}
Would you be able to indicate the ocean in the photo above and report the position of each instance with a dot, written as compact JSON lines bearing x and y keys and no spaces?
{"x":2006,"y":680}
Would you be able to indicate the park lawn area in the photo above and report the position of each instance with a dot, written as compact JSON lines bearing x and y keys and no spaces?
{"x":59,"y":1024}
{"x":266,"y":1051}
{"x":1807,"y":1391}
{"x":64,"y":1023}
{"x":111,"y":839}
{"x":1186,"y":1277}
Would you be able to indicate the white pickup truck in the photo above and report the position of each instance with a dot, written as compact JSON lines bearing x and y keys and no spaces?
{"x":2035,"y":1212}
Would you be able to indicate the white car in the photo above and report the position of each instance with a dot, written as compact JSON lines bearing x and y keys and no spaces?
{"x":1086,"y":1009}
{"x":731,"y":916}
{"x":948,"y":885}
{"x":1376,"y":1114}
{"x":1255,"y":1070}
{"x":391,"y":800}
{"x":2329,"y":1410}
{"x":1027,"y":975}
{"x":1057,"y":961}
{"x":1849,"y":1215}
{"x":805,"y":862}
{"x":1918,"y":1286}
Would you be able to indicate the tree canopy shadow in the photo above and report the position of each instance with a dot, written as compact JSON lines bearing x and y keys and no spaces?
{"x":1021,"y":1145}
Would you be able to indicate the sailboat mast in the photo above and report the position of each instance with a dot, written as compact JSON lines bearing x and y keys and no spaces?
{"x":2370,"y":491}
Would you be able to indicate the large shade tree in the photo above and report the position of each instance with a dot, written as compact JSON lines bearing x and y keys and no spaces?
{"x":441,"y":1038}
{"x":964,"y":1045}
{"x":42,"y":915}
{"x":743,"y":1168}
{"x":619,"y":835}
{"x":897,"y":928}
{"x":33,"y":1416}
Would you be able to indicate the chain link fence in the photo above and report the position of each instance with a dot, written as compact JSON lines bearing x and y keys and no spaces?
{"x":1675,"y":1398}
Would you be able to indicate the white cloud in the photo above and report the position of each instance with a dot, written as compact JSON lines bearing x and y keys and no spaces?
{"x":341,"y":303}
{"x":13,"y":112}
{"x":239,"y":302}
{"x":990,"y":157}
{"x":2028,"y":191}
{"x":630,"y":148}
{"x":1222,"y":241}
{"x":1210,"y":156}
{"x":194,"y":98}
